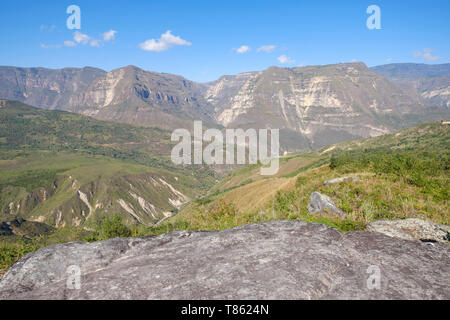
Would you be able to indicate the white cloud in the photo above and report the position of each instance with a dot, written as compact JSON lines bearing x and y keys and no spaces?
{"x":166,"y":41}
{"x":84,"y":39}
{"x":50,"y":46}
{"x":243,"y":49}
{"x":268,"y":48}
{"x":81,"y":37}
{"x":69,"y":43}
{"x":285,"y":59}
{"x":109,"y":35}
{"x":95,"y":43}
{"x":426,"y":55}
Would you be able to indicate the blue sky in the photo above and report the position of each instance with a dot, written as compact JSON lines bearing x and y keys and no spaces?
{"x":206,"y":36}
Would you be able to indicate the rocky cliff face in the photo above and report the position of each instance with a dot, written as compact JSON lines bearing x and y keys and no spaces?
{"x":136,"y":96}
{"x":128,"y":94}
{"x":312,"y":106}
{"x":429,"y":82}
{"x":276,"y":260}
{"x":223,"y":92}
{"x":45,"y":88}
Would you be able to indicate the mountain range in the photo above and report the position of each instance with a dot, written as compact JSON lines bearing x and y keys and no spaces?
{"x":97,"y":143}
{"x":430,"y":82}
{"x":312,"y":106}
{"x":68,"y":177}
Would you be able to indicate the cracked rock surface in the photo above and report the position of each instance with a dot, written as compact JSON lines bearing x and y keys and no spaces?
{"x":411,"y":229}
{"x":275,"y":260}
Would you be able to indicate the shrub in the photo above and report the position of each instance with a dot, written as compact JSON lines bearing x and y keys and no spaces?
{"x":285,"y":201}
{"x":427,"y":170}
{"x":108,"y":228}
{"x":222,"y":210}
{"x":11,"y":252}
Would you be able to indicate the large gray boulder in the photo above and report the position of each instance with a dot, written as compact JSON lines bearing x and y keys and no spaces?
{"x":411,"y":229}
{"x":276,"y":260}
{"x":322,"y":203}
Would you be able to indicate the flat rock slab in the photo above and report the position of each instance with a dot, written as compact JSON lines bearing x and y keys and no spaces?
{"x":411,"y":229}
{"x":275,"y":260}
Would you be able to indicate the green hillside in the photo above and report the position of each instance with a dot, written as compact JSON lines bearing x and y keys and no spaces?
{"x":66,"y":169}
{"x":23,"y":127}
{"x":401,"y":175}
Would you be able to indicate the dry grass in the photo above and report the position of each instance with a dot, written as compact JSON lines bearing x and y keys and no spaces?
{"x":255,"y":196}
{"x":372,"y":198}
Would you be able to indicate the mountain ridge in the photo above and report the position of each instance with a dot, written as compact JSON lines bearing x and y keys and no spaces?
{"x":313,"y":106}
{"x":429,"y":82}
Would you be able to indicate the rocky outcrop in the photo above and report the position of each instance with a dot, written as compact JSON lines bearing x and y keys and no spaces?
{"x":276,"y":260}
{"x":411,"y":229}
{"x":322,"y":203}
{"x":342,"y":179}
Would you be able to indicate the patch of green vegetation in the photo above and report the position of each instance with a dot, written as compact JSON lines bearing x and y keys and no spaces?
{"x":430,"y":136}
{"x":217,"y":215}
{"x":394,"y":184}
{"x":343,"y":225}
{"x":245,"y":169}
{"x":205,"y":200}
{"x":283,"y":201}
{"x":428,"y":170}
{"x":109,"y":227}
{"x":31,"y":179}
{"x":14,"y":247}
{"x":11,"y":252}
{"x":31,"y":237}
{"x":28,"y":129}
